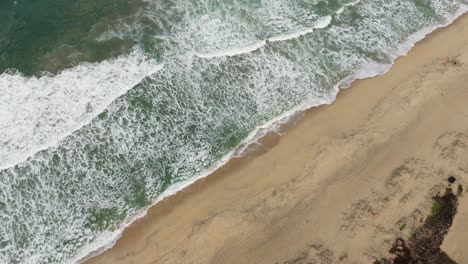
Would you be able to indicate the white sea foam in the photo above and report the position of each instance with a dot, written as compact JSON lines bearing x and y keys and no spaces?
{"x":366,"y":71}
{"x":373,"y":69}
{"x":319,"y":24}
{"x":36,"y":112}
{"x":231,"y":51}
{"x":267,"y":81}
{"x":346,"y":5}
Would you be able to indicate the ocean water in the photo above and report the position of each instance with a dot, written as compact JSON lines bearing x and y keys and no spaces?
{"x":108,"y":106}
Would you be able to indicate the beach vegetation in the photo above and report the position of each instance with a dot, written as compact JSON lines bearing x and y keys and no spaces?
{"x":437,"y":207}
{"x":402,"y":226}
{"x":418,"y":248}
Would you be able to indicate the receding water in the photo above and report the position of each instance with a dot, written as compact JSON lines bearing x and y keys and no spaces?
{"x":105,"y":106}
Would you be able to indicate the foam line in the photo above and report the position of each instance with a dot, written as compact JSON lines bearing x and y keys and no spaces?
{"x":366,"y":71}
{"x":37,"y":112}
{"x":319,"y":24}
{"x":232,"y":51}
{"x":346,"y":5}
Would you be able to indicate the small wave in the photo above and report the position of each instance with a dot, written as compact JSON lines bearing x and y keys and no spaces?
{"x":231,"y":52}
{"x":37,"y":112}
{"x":319,"y":24}
{"x":366,"y":71}
{"x":268,"y":71}
{"x":346,"y":5}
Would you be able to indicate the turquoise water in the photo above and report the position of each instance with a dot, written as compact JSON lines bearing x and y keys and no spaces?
{"x":107,"y":106}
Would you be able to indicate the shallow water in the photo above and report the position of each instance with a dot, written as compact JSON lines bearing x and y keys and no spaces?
{"x":141,"y":96}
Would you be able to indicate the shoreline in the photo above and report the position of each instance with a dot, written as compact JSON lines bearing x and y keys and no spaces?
{"x":284,"y":120}
{"x":170,"y":203}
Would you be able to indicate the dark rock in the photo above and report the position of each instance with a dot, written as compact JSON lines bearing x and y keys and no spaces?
{"x":401,"y":251}
{"x":424,"y":244}
{"x":451,"y":179}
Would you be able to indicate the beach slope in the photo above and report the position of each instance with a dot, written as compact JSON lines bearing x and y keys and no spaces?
{"x":340,"y":186}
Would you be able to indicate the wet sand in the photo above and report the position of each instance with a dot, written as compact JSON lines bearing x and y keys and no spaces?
{"x":340,"y":184}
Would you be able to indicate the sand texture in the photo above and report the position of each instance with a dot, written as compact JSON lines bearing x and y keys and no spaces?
{"x":340,"y":185}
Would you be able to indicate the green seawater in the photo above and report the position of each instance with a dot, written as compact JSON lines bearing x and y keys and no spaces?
{"x":112,"y":103}
{"x":51,"y":35}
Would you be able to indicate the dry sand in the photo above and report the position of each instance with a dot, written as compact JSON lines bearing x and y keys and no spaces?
{"x":338,"y":187}
{"x":456,"y":241}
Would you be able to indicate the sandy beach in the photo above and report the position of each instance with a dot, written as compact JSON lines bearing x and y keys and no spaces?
{"x":342,"y":183}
